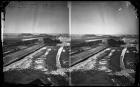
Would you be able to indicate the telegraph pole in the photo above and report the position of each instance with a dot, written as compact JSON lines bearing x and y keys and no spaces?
{"x":2,"y":26}
{"x":69,"y":7}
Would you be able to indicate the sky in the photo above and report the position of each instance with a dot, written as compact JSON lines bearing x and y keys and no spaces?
{"x":103,"y":18}
{"x":112,"y":17}
{"x":36,"y":17}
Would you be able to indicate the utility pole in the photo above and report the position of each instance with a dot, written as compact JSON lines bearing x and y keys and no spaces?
{"x":69,"y":6}
{"x":2,"y":26}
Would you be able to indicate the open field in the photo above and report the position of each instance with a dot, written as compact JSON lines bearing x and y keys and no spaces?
{"x":92,"y":59}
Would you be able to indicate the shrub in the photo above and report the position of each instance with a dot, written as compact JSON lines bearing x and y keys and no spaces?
{"x":115,"y":43}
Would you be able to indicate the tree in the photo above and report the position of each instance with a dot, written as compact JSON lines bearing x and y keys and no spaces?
{"x":115,"y":43}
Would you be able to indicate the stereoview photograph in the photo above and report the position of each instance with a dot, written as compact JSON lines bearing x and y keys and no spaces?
{"x":70,"y":43}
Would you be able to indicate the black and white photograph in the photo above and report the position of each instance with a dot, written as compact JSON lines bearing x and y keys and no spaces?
{"x":70,"y":43}
{"x":104,"y":43}
{"x":36,"y":43}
